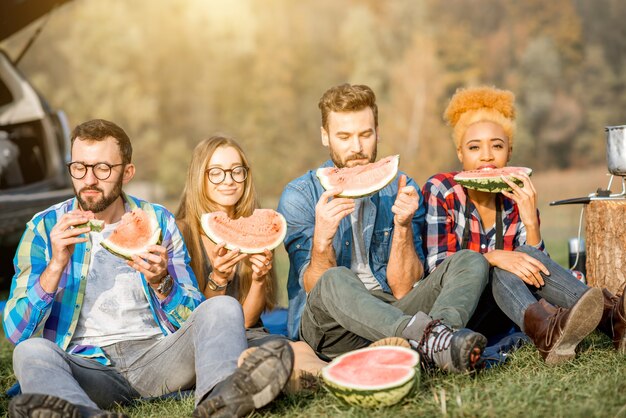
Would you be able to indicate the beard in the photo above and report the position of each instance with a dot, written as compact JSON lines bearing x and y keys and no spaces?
{"x":98,"y":205}
{"x":340,"y":163}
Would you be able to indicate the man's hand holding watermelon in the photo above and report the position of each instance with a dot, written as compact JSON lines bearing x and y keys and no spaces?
{"x":63,"y":237}
{"x":153,"y":265}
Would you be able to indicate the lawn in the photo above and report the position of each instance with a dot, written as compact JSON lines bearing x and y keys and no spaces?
{"x":592,"y":385}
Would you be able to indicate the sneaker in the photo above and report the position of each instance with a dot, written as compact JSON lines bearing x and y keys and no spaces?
{"x":48,"y":406}
{"x":452,"y":351}
{"x":259,"y":379}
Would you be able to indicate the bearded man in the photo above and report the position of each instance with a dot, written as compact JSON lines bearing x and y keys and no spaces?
{"x":356,"y":265}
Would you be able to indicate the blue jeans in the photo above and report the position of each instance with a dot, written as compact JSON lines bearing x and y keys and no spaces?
{"x":203,"y":352}
{"x":513,"y":295}
{"x":341,"y":315}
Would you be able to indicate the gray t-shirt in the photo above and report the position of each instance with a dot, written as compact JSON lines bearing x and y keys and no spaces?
{"x":360,"y":255}
{"x":115,"y":306}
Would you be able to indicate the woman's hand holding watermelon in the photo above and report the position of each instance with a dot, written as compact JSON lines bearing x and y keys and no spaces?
{"x":526,"y":199}
{"x":153,"y":264}
{"x":261,"y":265}
{"x":224,"y":262}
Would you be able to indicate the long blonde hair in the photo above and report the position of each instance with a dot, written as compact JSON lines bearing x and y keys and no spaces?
{"x":195,"y":201}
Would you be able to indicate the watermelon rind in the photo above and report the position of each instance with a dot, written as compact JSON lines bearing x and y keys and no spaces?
{"x":95,"y":225}
{"x":355,"y":192}
{"x":127,"y":253}
{"x":368,"y":396}
{"x":214,"y":236}
{"x":493,"y":184}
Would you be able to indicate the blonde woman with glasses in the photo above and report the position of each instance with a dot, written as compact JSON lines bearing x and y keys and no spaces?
{"x":220,"y":179}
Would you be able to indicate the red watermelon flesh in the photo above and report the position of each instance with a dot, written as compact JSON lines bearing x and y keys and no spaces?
{"x":134,"y":231}
{"x":360,"y":180}
{"x":373,"y":368}
{"x":265,"y":228}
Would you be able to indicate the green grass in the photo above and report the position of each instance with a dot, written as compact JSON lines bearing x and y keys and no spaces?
{"x":592,"y":385}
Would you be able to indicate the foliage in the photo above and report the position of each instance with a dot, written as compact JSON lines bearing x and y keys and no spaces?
{"x":174,"y":72}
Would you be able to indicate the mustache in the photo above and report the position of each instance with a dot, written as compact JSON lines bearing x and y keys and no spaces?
{"x":91,"y":189}
{"x":358,"y":156}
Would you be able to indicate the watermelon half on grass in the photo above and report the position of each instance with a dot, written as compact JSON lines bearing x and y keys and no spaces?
{"x":490,"y":179}
{"x":373,"y":377}
{"x":360,"y":180}
{"x":265,"y":228}
{"x":136,"y":231}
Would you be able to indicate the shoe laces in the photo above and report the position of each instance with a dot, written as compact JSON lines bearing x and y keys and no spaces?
{"x":436,"y":338}
{"x":553,"y":328}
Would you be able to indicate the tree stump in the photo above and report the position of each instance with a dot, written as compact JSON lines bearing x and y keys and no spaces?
{"x":605,"y":233}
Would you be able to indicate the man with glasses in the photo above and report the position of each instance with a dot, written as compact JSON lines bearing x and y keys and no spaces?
{"x":92,"y":329}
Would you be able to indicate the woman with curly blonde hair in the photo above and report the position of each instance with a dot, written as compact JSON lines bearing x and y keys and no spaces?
{"x":542,"y":298}
{"x":220,"y":178}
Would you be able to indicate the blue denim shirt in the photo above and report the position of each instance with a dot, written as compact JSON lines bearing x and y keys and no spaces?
{"x":297,"y":205}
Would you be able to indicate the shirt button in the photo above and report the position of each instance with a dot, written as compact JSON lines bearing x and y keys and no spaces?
{"x":87,"y":250}
{"x":483,"y":246}
{"x":347,"y":243}
{"x":386,"y":233}
{"x":77,"y":306}
{"x":82,"y":277}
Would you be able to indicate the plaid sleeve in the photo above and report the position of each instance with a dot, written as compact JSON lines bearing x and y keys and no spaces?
{"x":28,"y":306}
{"x":440,"y":239}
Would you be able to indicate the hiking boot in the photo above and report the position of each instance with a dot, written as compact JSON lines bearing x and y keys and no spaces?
{"x":451,"y":351}
{"x":557,"y":331}
{"x":613,"y":322}
{"x":47,"y":406}
{"x":441,"y":346}
{"x":259,"y":379}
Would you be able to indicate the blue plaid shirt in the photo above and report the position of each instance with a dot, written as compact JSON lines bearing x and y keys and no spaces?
{"x":32,"y":312}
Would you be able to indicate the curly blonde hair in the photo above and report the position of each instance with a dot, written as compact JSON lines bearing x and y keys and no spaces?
{"x":480,"y":104}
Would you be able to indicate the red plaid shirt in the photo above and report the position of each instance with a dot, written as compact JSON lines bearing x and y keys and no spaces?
{"x":445,"y":202}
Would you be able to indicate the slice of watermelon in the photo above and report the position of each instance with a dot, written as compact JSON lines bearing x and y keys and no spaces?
{"x":136,"y":231}
{"x":265,"y":228}
{"x":490,"y":179}
{"x":373,"y":377}
{"x":360,"y":180}
{"x":94,"y":224}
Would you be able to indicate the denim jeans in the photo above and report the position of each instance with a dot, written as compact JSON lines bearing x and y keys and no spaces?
{"x":513,"y":295}
{"x":342,"y":315}
{"x":202,"y":352}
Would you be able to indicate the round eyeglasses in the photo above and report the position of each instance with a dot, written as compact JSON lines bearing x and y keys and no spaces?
{"x":102,"y":171}
{"x":217,"y":175}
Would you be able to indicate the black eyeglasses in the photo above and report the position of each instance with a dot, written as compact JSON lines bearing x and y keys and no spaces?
{"x":217,"y":175}
{"x":102,"y":171}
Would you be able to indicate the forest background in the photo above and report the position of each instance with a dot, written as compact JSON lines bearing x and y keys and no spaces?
{"x":172,"y":72}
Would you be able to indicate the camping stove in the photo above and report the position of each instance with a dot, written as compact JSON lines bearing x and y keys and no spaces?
{"x":616,"y":159}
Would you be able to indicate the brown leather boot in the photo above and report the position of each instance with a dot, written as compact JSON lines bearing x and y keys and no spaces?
{"x":613,"y":321}
{"x":557,"y":331}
